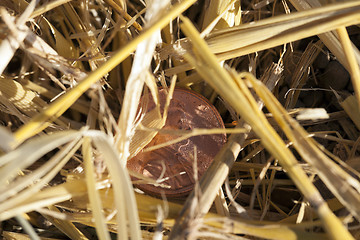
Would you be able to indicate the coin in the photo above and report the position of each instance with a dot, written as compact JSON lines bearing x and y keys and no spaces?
{"x":175,"y":163}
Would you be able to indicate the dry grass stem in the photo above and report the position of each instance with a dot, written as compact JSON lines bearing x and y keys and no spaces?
{"x":264,"y":130}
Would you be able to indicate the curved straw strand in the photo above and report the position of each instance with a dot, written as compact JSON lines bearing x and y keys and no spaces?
{"x":57,"y":108}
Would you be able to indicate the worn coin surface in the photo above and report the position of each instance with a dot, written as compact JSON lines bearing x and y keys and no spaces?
{"x":175,"y":163}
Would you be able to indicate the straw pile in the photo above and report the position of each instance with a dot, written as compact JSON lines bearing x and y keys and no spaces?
{"x":284,"y":76}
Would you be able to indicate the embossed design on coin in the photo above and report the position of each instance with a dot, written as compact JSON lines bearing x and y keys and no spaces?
{"x":187,"y":110}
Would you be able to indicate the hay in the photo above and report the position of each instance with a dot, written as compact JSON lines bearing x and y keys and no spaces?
{"x":284,"y":76}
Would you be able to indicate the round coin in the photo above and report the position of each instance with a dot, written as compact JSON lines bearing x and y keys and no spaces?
{"x":175,"y":163}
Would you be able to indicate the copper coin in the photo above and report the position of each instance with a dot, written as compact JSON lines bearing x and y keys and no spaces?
{"x":188,"y":110}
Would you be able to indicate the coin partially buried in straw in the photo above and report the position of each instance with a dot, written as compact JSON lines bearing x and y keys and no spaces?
{"x":175,"y":163}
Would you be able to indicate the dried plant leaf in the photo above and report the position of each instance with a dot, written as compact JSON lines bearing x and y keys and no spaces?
{"x":46,"y":197}
{"x":66,"y":227}
{"x":271,"y":32}
{"x":94,"y":197}
{"x":6,"y":139}
{"x":12,"y":162}
{"x":281,"y":29}
{"x":148,"y":211}
{"x":301,"y":73}
{"x":22,"y":98}
{"x":342,"y":185}
{"x":235,"y":91}
{"x":352,"y":108}
{"x":57,"y":108}
{"x":225,"y":14}
{"x":329,"y":39}
{"x":123,"y":191}
{"x":74,"y":44}
{"x":191,"y":133}
{"x":47,"y":7}
{"x":36,"y":180}
{"x":136,"y":81}
{"x":9,"y":45}
{"x":350,"y":55}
